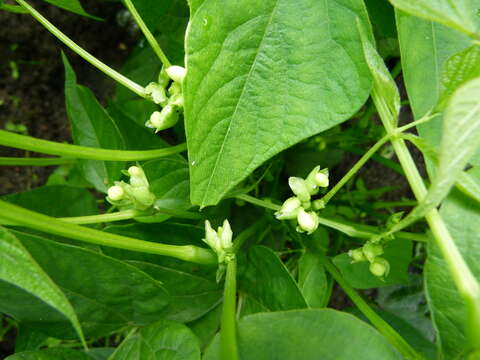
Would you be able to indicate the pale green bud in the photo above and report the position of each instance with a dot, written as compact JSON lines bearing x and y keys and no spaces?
{"x":289,"y":209}
{"x":176,"y":73}
{"x":143,"y":197}
{"x":380,"y":267}
{"x":307,"y":221}
{"x":164,"y":119}
{"x":321,"y":179}
{"x":371,"y":251}
{"x":299,"y":188}
{"x":220,"y":241}
{"x":116,"y":193}
{"x":310,"y":180}
{"x":137,"y":177}
{"x":157,"y":93}
{"x":318,"y":204}
{"x":211,"y":237}
{"x":225,"y":233}
{"x":357,"y":255}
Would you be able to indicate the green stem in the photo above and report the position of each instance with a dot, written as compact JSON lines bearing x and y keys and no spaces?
{"x":102,"y":218}
{"x":18,"y":161}
{"x":390,"y":204}
{"x":139,"y":90}
{"x":464,"y":279}
{"x":353,"y":170}
{"x":83,"y":152}
{"x":228,"y":332}
{"x":381,"y":160}
{"x":54,"y":226}
{"x":148,"y":35}
{"x":382,"y":326}
{"x":351,"y":229}
{"x":13,"y":8}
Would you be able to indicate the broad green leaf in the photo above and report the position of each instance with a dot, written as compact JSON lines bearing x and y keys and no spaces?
{"x":163,"y":340}
{"x":307,"y":334}
{"x":382,"y":17}
{"x":19,"y":269}
{"x":425,"y":47}
{"x":312,"y":280}
{"x":28,"y":339}
{"x":385,"y":90}
{"x":264,"y":280}
{"x":192,"y":288}
{"x":461,"y":15}
{"x":50,"y":354}
{"x":262,"y":76}
{"x":62,"y":201}
{"x":459,"y":69}
{"x":105,"y":293}
{"x":92,"y":126}
{"x":462,"y":217}
{"x":469,"y":183}
{"x":151,"y":10}
{"x":71,"y":5}
{"x":397,"y":252}
{"x":207,"y":326}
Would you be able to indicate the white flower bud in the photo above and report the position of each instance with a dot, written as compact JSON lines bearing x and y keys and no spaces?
{"x":307,"y":221}
{"x":116,"y":193}
{"x":299,"y":188}
{"x":380,"y":267}
{"x":156,"y":93}
{"x":321,"y":179}
{"x":176,"y":73}
{"x":164,"y":119}
{"x":135,"y":171}
{"x":225,"y":233}
{"x":289,"y":209}
{"x":137,"y":177}
{"x":211,"y":237}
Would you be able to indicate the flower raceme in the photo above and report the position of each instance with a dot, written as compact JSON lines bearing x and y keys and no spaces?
{"x":296,"y":207}
{"x":220,"y":241}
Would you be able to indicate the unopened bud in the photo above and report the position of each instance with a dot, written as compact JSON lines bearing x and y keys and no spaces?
{"x":307,"y":221}
{"x":357,"y":255}
{"x":137,"y":177}
{"x":176,"y":73}
{"x":289,"y":209}
{"x":321,"y":179}
{"x":225,"y":233}
{"x":156,"y":93}
{"x":318,"y":204}
{"x":164,"y":119}
{"x":299,"y":188}
{"x":380,"y":267}
{"x":371,"y":250}
{"x":116,"y":193}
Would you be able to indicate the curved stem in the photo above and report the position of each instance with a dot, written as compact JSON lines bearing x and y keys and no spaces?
{"x":50,"y":225}
{"x":148,"y":35}
{"x":83,"y":152}
{"x":27,"y":161}
{"x":102,"y":218}
{"x":228,"y":332}
{"x":382,"y":326}
{"x":139,"y":90}
{"x":353,"y":170}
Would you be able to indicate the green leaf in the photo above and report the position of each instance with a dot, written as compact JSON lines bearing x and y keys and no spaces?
{"x":163,"y":340}
{"x":105,"y":293}
{"x":19,"y":269}
{"x":312,"y":280}
{"x":469,"y":183}
{"x":50,"y":354}
{"x":62,"y":201}
{"x":73,"y":6}
{"x":459,"y":15}
{"x":262,"y":76}
{"x":28,"y":339}
{"x":462,"y":218}
{"x":397,"y":252}
{"x":207,"y":326}
{"x":264,"y":280}
{"x":425,"y":47}
{"x":384,"y":87}
{"x":151,"y":10}
{"x":92,"y":126}
{"x":307,"y":334}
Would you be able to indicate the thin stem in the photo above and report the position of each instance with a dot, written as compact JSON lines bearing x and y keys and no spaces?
{"x":351,"y":229}
{"x":83,"y":152}
{"x":424,"y":119}
{"x":148,"y":35}
{"x":382,"y":326}
{"x":228,"y":332}
{"x":51,"y":225}
{"x":358,"y":165}
{"x":390,"y":204}
{"x":381,"y":160}
{"x":18,"y":161}
{"x":102,"y":218}
{"x":463,"y":278}
{"x":139,"y":90}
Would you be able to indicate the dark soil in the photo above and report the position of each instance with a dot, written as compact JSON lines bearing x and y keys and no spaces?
{"x":35,"y":97}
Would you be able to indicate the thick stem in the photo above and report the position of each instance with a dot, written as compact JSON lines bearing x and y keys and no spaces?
{"x":83,"y":152}
{"x":382,"y":326}
{"x":228,"y":333}
{"x":27,"y":161}
{"x":139,"y":90}
{"x":51,"y":225}
{"x":148,"y":35}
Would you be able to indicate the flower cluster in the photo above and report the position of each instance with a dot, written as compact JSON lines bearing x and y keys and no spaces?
{"x":371,"y":252}
{"x":171,"y":100}
{"x":220,"y":241}
{"x":301,"y":207}
{"x":134,"y":195}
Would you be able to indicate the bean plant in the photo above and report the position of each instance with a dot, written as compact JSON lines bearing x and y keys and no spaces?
{"x":219,"y":205}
